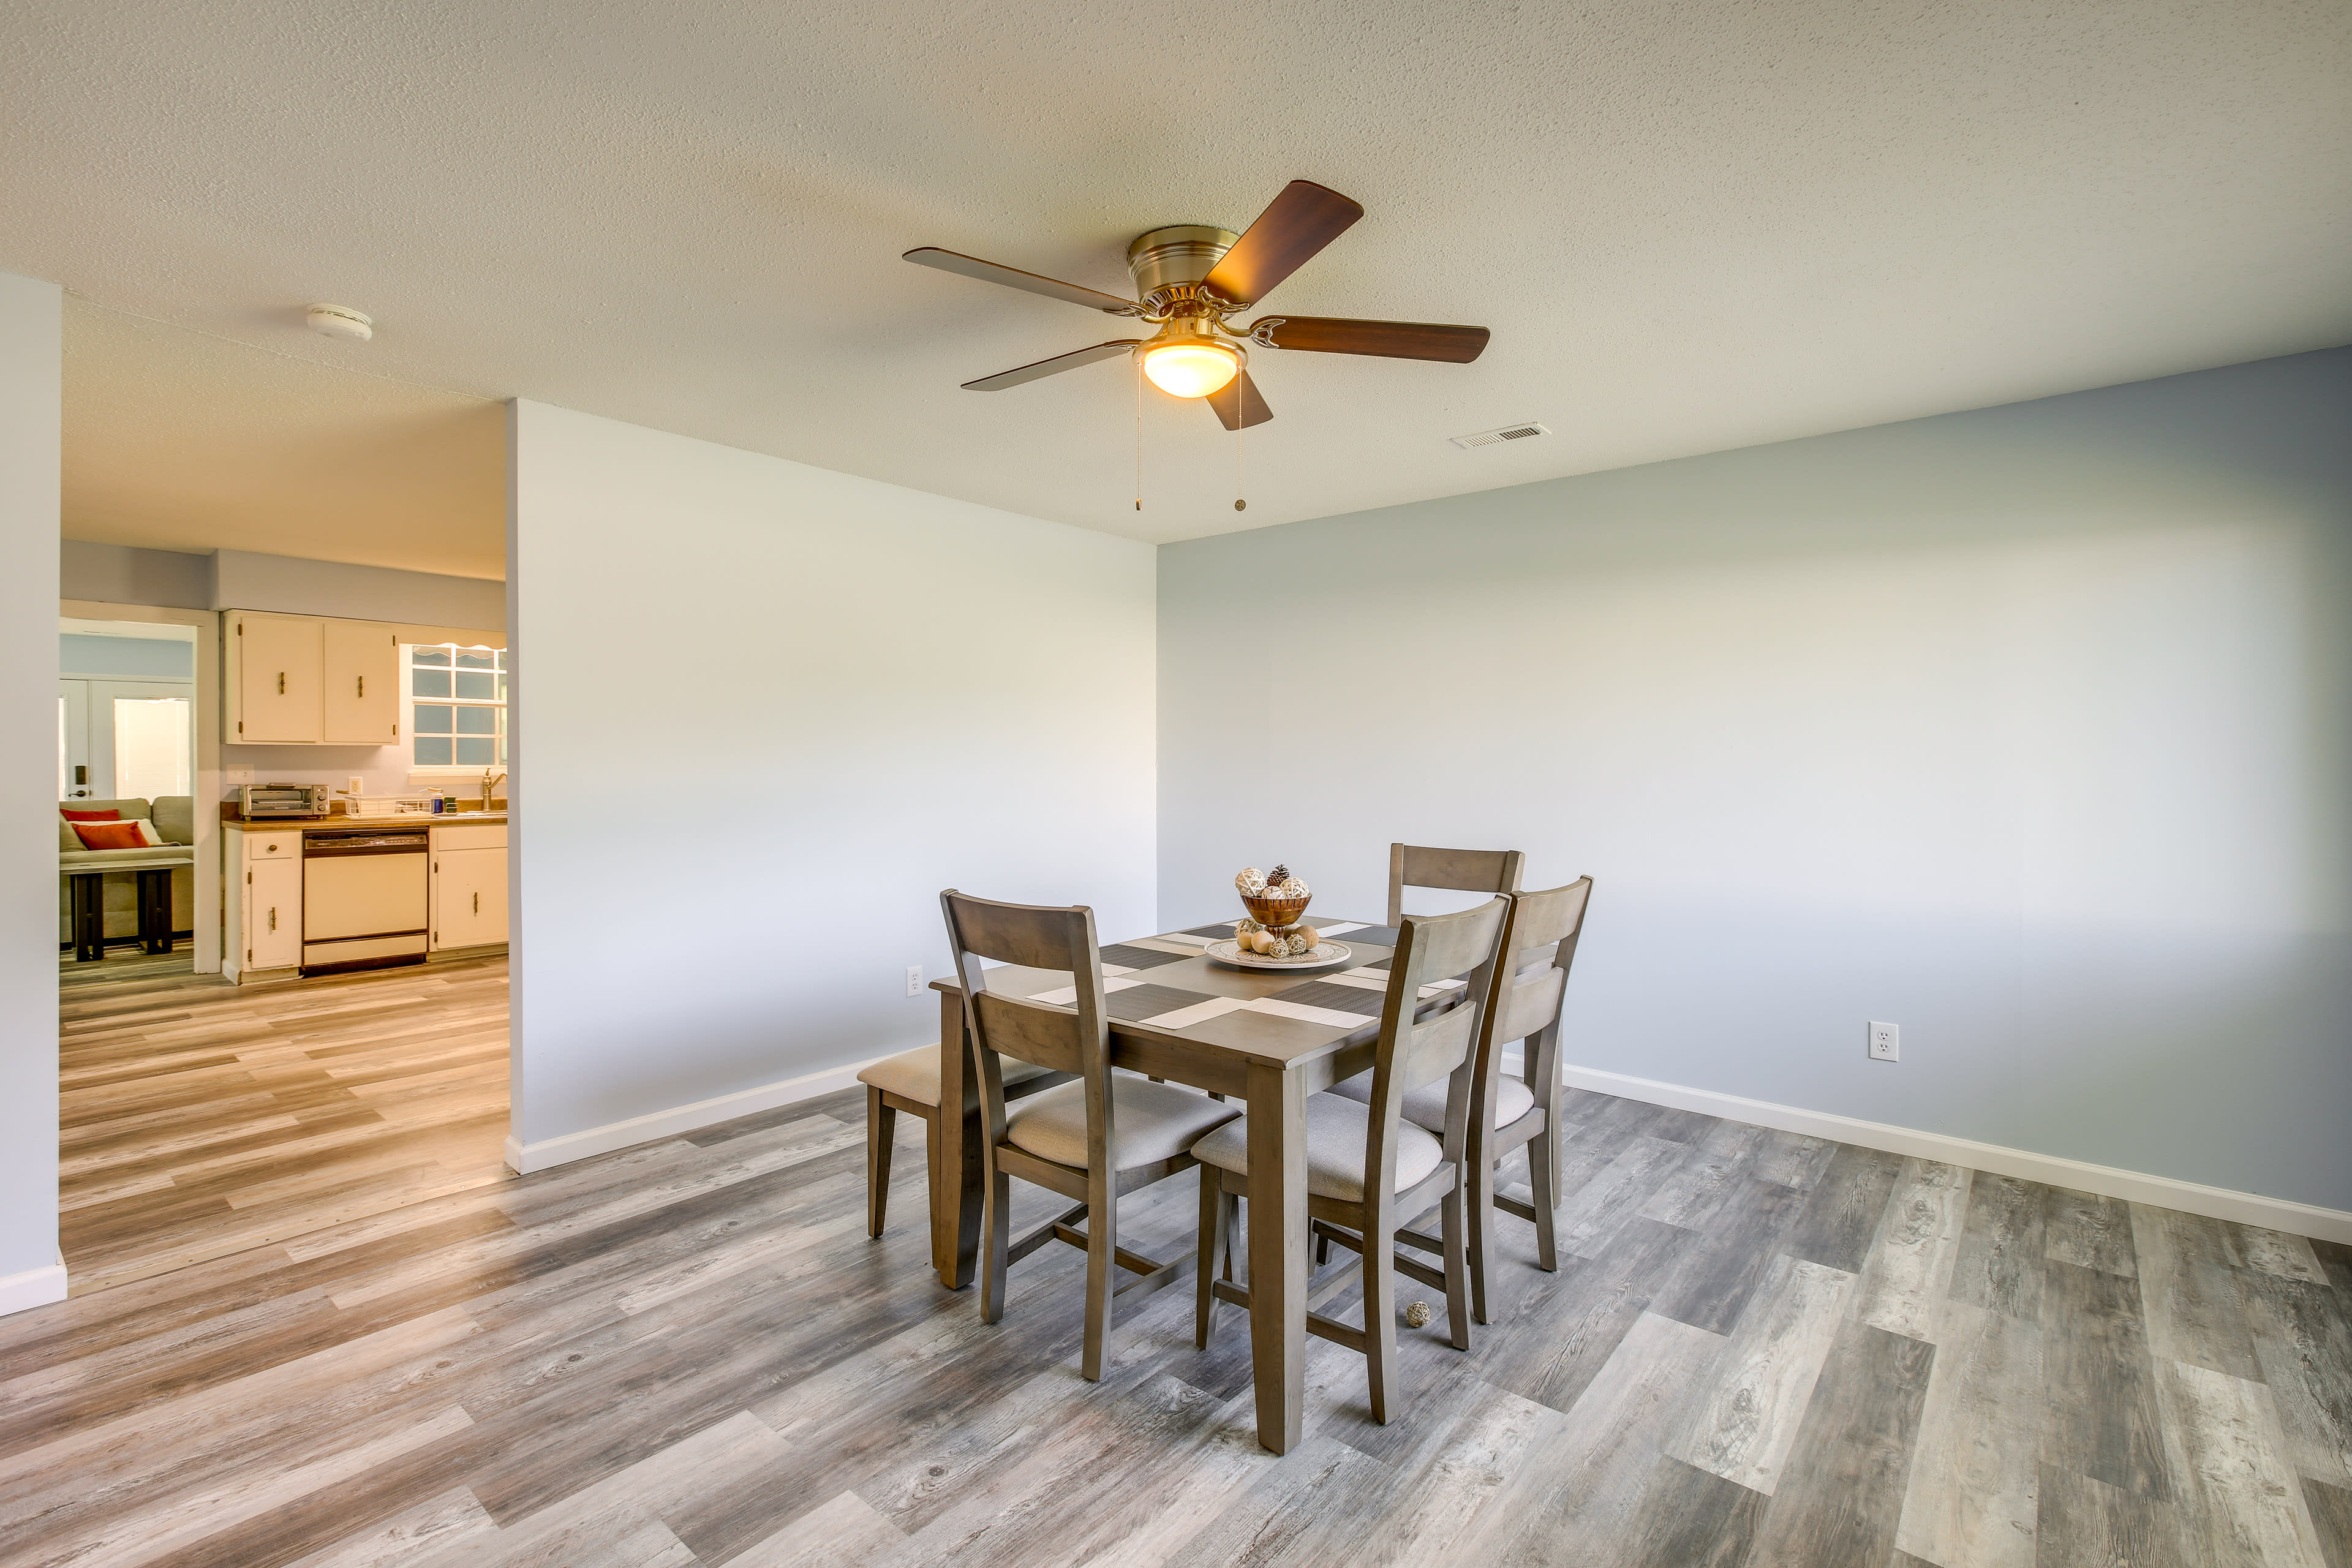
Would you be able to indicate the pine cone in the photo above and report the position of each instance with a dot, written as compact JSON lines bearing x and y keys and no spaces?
{"x":1279,"y":874}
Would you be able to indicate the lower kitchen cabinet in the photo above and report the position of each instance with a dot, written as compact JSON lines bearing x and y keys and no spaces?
{"x":273,"y":913}
{"x":469,"y":897}
{"x":264,"y":883}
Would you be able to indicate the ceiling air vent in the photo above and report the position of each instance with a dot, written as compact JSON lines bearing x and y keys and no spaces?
{"x":1522,"y":431}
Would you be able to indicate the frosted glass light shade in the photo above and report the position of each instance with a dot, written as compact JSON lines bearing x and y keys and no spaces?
{"x":1191,"y":370}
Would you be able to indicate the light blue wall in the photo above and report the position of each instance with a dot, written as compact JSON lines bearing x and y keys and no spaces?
{"x":2025,"y":729}
{"x":133,"y":658}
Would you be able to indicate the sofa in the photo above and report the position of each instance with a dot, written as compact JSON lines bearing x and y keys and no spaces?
{"x":174,"y":816}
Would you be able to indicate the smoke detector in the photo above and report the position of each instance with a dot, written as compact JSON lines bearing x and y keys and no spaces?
{"x":339,"y":321}
{"x":1519,"y":432}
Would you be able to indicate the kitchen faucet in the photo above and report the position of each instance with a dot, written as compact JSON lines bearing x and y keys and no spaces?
{"x":488,"y":780}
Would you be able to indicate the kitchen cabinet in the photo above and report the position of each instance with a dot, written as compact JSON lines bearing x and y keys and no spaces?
{"x":469,"y":897}
{"x":269,"y":877}
{"x":273,"y":913}
{"x":360,"y":661}
{"x":308,"y":680}
{"x":276,"y":664}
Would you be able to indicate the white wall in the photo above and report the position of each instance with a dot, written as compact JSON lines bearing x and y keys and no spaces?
{"x":30,"y":1272}
{"x":763,"y":713}
{"x":2025,"y":729}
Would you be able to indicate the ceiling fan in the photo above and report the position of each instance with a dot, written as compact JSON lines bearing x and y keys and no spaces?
{"x":1190,"y":278}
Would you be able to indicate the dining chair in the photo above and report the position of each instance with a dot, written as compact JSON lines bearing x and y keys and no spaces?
{"x":1452,"y":871}
{"x":1369,"y":1169}
{"x":909,"y":1081}
{"x":1523,"y":1003}
{"x":1094,"y":1139}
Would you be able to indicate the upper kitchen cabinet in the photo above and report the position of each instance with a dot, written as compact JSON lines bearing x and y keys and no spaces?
{"x":306,"y":681}
{"x":275,"y":667}
{"x":362,"y":684}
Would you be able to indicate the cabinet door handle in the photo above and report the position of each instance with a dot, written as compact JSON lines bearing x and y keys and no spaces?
{"x":282,"y":683}
{"x":363,"y":686}
{"x":477,"y":903}
{"x":273,"y":917}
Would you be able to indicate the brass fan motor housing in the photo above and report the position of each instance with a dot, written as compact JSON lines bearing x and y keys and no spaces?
{"x":1201,"y":327}
{"x":1169,"y":263}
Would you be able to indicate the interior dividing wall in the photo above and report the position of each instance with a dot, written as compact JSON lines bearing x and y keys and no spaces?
{"x":2027,"y":729}
{"x":30,"y":1272}
{"x":764,"y":714}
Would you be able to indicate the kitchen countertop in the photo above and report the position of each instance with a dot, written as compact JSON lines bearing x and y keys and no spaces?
{"x":407,"y":819}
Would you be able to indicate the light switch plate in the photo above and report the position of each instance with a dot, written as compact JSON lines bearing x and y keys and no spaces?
{"x":914,"y":980}
{"x":1885,"y":1043}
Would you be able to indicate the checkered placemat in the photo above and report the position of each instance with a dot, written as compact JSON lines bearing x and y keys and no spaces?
{"x":1120,"y":957}
{"x":1347,"y":1001}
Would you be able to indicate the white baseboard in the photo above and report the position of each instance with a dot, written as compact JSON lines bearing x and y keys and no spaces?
{"x":2133,"y":1186}
{"x":33,"y":1288}
{"x":525,"y":1158}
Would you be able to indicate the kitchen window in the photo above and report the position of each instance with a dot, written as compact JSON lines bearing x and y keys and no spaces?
{"x":458,"y":705}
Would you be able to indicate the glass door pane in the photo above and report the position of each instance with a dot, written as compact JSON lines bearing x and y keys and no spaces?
{"x":74,"y":779}
{"x":152,"y":745}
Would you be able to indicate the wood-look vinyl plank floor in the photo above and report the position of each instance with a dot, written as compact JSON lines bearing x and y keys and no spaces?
{"x":1759,"y":1349}
{"x":201,"y":1119}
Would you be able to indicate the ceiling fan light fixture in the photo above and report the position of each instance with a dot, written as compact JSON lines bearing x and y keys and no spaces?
{"x":1191,"y":369}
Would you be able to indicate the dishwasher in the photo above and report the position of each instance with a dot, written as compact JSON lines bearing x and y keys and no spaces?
{"x":363,"y":898}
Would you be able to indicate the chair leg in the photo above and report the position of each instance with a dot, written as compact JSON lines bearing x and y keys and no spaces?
{"x":1322,"y":1250}
{"x":1480,"y":1242}
{"x":1102,"y":1243}
{"x":931,"y":1165}
{"x":1543,"y":1175}
{"x":881,"y":1127}
{"x":1459,"y":1280}
{"x":1380,"y":1311}
{"x":995,"y":1225}
{"x":1213,"y":1247}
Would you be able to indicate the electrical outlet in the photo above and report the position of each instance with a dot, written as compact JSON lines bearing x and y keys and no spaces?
{"x":236,"y":776}
{"x":914,"y":980}
{"x":1885,"y":1043}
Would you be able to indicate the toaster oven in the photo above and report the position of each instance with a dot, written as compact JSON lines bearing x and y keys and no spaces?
{"x":282,"y":800}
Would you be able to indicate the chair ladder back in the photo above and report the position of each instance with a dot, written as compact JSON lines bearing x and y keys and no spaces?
{"x":1527,"y":1006}
{"x":1430,"y":948}
{"x":1073,"y":1041}
{"x":1452,"y":871}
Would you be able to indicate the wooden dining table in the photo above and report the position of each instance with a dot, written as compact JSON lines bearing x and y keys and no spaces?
{"x":1268,"y":1039}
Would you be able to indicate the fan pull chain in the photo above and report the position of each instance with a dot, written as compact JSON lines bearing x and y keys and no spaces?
{"x":1239,"y":488}
{"x":1139,"y":434}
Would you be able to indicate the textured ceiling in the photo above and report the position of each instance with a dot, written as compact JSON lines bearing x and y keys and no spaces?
{"x":1691,"y":226}
{"x":180,"y":440}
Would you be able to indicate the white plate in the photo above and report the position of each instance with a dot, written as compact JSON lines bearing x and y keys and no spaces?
{"x":1326,"y":955}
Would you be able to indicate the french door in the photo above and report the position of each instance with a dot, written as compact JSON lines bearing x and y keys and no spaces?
{"x":125,"y":739}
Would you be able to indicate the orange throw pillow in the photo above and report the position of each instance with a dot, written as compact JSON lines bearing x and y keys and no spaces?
{"x":110,"y":835}
{"x":90,"y":816}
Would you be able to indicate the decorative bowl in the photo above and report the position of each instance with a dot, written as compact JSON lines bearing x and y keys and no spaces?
{"x":1276,"y":913}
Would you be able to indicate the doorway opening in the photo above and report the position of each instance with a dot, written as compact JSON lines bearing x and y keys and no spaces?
{"x":126,"y":744}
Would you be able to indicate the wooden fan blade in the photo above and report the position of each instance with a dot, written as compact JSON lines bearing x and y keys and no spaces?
{"x":1238,"y":404}
{"x":1296,"y":224}
{"x":1014,"y":277}
{"x":1054,"y":366}
{"x":1389,"y":340}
